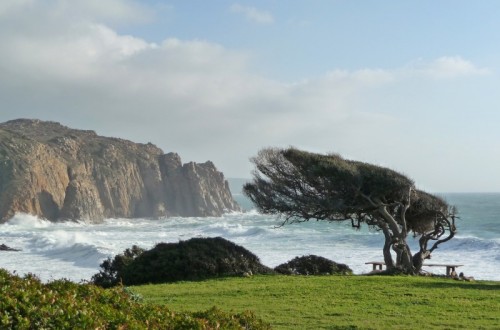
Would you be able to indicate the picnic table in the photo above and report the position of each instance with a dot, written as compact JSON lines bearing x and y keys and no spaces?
{"x":450,"y":268}
{"x":376,"y":264}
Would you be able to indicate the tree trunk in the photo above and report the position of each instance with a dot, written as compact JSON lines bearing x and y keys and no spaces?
{"x":389,"y":263}
{"x":404,"y":258}
{"x":418,"y":260}
{"x":395,"y":236}
{"x":406,"y":263}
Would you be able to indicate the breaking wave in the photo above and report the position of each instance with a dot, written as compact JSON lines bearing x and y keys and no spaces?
{"x":74,"y":250}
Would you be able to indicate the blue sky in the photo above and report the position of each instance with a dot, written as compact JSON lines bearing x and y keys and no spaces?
{"x":412,"y":85}
{"x":300,"y":39}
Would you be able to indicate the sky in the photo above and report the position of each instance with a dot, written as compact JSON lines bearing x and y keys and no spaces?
{"x":410,"y":85}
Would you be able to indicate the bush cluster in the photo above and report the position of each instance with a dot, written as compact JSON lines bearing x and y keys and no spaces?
{"x":191,"y":260}
{"x":27,"y":303}
{"x":111,"y":269}
{"x":312,"y":265}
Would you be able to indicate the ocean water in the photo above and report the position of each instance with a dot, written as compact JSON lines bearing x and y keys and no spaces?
{"x":74,"y":250}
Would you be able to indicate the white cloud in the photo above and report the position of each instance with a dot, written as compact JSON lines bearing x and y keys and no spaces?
{"x":80,"y":50}
{"x":194,"y":96}
{"x":253,"y":14}
{"x":363,"y":76}
{"x":203,"y":100}
{"x":448,"y":67}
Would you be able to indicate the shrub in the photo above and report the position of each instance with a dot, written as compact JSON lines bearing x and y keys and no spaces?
{"x":112,"y":268}
{"x":26,"y":303}
{"x":194,"y":259}
{"x":312,"y":265}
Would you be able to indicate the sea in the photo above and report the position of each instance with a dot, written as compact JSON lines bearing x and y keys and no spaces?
{"x":74,"y":250}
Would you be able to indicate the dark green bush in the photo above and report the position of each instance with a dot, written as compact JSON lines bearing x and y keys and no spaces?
{"x":312,"y":265}
{"x":194,"y":259}
{"x":26,"y":303}
{"x":111,"y":269}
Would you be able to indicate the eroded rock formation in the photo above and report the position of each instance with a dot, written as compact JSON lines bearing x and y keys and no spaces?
{"x":58,"y":173}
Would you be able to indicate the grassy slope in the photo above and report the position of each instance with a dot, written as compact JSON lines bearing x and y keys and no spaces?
{"x":333,"y":302}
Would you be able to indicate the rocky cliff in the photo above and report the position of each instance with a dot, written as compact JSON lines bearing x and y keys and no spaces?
{"x":58,"y":173}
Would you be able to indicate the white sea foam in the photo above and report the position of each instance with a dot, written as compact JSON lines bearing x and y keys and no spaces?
{"x":74,"y":250}
{"x":27,"y":221}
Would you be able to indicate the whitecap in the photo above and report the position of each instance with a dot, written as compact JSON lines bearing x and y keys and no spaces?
{"x":74,"y":250}
{"x":23,"y":220}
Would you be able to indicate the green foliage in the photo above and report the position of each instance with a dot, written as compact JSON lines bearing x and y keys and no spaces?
{"x":191,"y":260}
{"x":300,"y":184}
{"x":424,"y":210}
{"x":110,"y":274}
{"x":26,"y":303}
{"x":312,"y":265}
{"x":342,"y":302}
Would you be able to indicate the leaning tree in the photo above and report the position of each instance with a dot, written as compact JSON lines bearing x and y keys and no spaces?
{"x":299,"y":186}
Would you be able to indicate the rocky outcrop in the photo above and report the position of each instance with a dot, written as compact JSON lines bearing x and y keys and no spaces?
{"x":58,"y":173}
{"x":4,"y":247}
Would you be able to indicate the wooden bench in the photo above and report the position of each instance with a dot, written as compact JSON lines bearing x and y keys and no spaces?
{"x":376,"y":264}
{"x":450,"y":268}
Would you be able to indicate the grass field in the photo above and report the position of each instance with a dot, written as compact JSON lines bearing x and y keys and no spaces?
{"x":341,"y":302}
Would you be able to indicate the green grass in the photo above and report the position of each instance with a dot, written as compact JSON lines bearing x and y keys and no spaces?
{"x":340,"y":302}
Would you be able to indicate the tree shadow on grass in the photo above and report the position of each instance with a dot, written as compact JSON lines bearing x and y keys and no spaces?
{"x":461,"y":284}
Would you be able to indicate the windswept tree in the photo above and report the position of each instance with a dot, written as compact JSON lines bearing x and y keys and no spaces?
{"x":299,"y":186}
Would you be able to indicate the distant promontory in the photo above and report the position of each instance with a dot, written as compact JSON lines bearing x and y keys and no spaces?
{"x":59,"y":173}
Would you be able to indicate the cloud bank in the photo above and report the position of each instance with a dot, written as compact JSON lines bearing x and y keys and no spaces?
{"x":203,"y":100}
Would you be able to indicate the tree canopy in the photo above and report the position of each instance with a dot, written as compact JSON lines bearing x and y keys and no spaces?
{"x":300,"y":186}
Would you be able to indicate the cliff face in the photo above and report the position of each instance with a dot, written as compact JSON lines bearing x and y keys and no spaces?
{"x":59,"y":173}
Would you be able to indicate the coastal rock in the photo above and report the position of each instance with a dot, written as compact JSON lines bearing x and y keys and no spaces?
{"x":197,"y":189}
{"x":4,"y":247}
{"x":59,"y":173}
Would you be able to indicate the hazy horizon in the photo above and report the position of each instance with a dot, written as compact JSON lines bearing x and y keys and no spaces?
{"x":237,"y":182}
{"x":407,"y":85}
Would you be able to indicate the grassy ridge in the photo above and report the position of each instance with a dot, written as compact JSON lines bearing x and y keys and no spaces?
{"x":339,"y":302}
